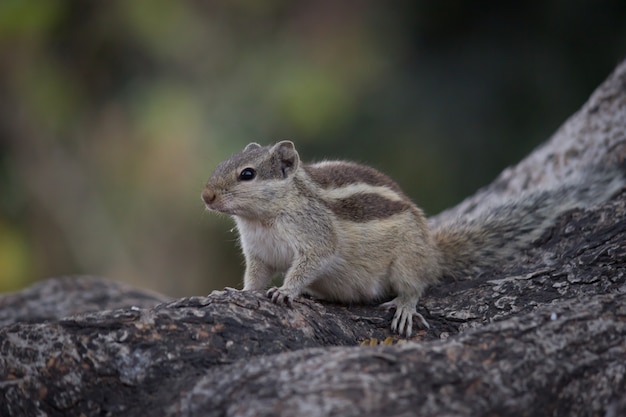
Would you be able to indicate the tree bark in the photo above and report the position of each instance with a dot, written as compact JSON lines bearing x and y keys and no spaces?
{"x":544,"y":334}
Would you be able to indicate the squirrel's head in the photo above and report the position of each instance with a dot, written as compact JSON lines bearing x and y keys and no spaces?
{"x":252,"y":183}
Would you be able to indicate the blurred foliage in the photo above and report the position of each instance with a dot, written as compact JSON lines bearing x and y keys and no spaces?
{"x":114,"y":113}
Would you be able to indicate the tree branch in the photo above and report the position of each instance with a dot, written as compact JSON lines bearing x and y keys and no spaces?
{"x":542,"y":334}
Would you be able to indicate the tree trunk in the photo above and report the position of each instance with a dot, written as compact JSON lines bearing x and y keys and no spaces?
{"x":544,"y":334}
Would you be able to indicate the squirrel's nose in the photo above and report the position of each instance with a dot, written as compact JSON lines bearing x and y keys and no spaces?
{"x":208,"y":196}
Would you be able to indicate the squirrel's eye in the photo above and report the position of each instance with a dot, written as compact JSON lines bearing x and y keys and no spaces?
{"x":247,"y":174}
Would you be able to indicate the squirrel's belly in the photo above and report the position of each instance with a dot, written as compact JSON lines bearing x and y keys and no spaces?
{"x":345,"y":283}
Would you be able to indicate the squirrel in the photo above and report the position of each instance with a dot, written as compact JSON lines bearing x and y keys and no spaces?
{"x":345,"y":232}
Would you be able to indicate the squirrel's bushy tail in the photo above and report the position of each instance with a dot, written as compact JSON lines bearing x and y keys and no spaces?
{"x":502,"y":230}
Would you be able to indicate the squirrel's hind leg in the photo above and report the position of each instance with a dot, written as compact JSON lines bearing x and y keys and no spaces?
{"x":402,"y":322}
{"x":407,"y":277}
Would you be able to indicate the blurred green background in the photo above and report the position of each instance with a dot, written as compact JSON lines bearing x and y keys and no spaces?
{"x":114,"y":113}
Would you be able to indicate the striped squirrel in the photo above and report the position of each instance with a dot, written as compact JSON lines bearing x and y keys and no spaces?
{"x":345,"y":232}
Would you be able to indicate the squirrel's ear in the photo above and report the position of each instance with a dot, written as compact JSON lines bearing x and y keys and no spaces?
{"x":251,"y":146}
{"x":287,"y":156}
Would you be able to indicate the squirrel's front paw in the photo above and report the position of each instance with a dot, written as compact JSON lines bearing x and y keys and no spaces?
{"x":280,"y":296}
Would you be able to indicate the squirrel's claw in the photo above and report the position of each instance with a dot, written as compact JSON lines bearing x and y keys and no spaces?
{"x":279,"y":297}
{"x":388,"y":305}
{"x":402,"y":322}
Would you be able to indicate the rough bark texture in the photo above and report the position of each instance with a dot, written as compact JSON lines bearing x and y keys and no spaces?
{"x":542,"y":335}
